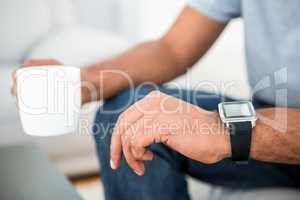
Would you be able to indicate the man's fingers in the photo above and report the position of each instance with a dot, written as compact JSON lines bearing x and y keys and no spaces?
{"x":137,"y":166}
{"x":142,"y":154}
{"x":37,"y":62}
{"x":13,"y":75}
{"x":124,"y":122}
{"x":13,"y":91}
{"x":115,"y":150}
{"x":148,"y":137}
{"x":29,"y":63}
{"x":148,"y":155}
{"x":135,"y":154}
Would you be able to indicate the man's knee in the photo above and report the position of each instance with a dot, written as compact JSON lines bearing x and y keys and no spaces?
{"x":116,"y":105}
{"x":124,"y":99}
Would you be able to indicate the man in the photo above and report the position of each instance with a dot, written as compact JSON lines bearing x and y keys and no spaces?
{"x":154,"y":142}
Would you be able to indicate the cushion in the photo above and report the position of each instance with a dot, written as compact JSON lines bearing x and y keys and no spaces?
{"x":23,"y":23}
{"x":79,"y":45}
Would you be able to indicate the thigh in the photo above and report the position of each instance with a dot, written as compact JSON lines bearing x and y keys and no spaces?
{"x":162,"y":173}
{"x":168,"y":168}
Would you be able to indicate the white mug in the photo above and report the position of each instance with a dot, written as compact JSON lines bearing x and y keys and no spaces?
{"x":49,"y":99}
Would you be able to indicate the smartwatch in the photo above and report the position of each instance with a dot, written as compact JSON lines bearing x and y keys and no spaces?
{"x":239,"y":118}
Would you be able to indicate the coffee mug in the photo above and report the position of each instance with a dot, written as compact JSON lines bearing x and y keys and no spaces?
{"x":49,"y":99}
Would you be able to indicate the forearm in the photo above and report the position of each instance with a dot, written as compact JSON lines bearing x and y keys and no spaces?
{"x":150,"y":62}
{"x":160,"y":61}
{"x":276,"y":138}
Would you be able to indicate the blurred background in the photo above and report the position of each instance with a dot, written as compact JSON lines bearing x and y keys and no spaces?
{"x":80,"y":32}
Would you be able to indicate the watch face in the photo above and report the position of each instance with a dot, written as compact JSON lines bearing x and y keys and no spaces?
{"x":237,"y":110}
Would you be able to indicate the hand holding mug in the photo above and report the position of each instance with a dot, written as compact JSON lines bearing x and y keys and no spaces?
{"x":31,"y":63}
{"x":49,"y":97}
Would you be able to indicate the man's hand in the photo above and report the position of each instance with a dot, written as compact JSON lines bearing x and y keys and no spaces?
{"x":86,"y":93}
{"x":160,"y":118}
{"x":31,"y":63}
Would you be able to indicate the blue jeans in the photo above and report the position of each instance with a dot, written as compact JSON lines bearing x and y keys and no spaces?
{"x":165,"y":175}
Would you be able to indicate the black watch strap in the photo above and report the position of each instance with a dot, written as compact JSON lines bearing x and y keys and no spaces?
{"x":240,"y":138}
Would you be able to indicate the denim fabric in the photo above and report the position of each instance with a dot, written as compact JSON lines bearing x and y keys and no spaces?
{"x":165,"y":175}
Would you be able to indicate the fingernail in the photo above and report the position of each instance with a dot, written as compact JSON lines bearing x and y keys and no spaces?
{"x":138,"y":173}
{"x":151,"y":157}
{"x":112,"y":164}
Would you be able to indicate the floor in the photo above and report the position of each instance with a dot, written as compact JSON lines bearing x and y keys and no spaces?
{"x":90,"y":188}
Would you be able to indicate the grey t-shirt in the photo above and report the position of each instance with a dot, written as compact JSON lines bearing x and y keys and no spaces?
{"x":272,"y":36}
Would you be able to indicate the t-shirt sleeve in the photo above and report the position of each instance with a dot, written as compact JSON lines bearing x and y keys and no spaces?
{"x":220,"y":10}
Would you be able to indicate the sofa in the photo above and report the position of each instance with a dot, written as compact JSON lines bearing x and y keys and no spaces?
{"x":65,"y":30}
{"x":32,"y":29}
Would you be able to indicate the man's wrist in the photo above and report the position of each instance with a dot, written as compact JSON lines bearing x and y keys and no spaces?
{"x":225,"y":145}
{"x":84,"y":91}
{"x":101,"y":82}
{"x":89,"y":90}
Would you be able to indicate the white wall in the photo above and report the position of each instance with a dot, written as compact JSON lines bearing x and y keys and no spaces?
{"x":136,"y":19}
{"x":100,"y":14}
{"x":148,"y":19}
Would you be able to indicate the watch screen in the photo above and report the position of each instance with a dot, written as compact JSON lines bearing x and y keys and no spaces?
{"x":237,"y":110}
